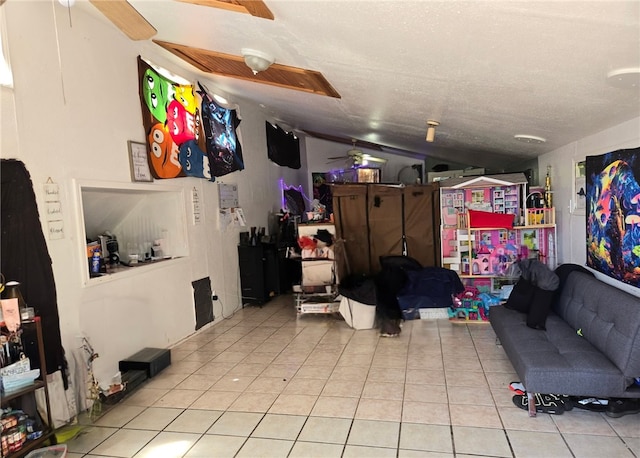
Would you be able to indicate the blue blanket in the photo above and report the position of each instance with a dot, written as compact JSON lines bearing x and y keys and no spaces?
{"x":430,"y":287}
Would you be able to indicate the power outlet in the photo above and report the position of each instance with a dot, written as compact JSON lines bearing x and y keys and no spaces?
{"x":214,"y":296}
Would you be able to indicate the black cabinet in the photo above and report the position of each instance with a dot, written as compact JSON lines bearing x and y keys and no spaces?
{"x":259,"y":272}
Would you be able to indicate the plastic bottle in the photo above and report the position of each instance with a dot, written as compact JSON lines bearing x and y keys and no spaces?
{"x":95,"y":262}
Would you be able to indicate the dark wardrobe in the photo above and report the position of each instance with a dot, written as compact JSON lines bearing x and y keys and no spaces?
{"x":374,"y":220}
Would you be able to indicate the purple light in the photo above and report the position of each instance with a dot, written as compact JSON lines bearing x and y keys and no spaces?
{"x":284,"y":186}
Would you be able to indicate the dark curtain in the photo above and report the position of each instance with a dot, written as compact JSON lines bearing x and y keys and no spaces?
{"x":24,"y":258}
{"x":283,"y":147}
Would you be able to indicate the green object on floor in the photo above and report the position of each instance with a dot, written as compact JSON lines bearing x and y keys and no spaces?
{"x":68,"y":432}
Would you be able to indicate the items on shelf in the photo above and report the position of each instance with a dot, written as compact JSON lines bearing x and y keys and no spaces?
{"x":317,"y":246}
{"x":24,"y":425}
{"x":317,"y":292}
{"x":16,"y":428}
{"x":17,"y":375}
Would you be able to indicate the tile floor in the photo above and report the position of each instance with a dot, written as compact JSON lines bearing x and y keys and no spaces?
{"x":266,"y":383}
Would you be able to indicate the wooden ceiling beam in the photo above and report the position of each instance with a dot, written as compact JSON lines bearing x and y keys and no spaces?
{"x":126,"y":18}
{"x":255,"y":8}
{"x":234,"y":66}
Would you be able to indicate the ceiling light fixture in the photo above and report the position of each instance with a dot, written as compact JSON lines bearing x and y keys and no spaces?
{"x":624,"y":78}
{"x":529,"y":138}
{"x":257,"y":61}
{"x":431,"y":130}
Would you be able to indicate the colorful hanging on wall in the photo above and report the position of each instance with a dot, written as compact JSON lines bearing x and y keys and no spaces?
{"x":187,"y":133}
{"x":613,"y":214}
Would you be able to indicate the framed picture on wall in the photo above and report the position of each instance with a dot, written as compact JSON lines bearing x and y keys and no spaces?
{"x":140,"y":170}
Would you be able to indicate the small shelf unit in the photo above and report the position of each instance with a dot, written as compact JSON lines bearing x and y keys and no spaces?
{"x":318,"y":291}
{"x":9,"y":398}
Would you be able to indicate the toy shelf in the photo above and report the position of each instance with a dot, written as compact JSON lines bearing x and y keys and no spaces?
{"x":486,"y":227}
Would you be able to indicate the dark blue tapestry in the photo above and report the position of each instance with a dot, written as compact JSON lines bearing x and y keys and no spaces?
{"x":221,"y":142}
{"x":613,"y":214}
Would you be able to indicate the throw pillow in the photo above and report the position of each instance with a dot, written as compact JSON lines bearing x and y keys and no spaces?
{"x":521,"y":296}
{"x":539,"y":308}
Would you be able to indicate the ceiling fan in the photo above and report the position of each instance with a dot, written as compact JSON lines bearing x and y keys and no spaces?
{"x":357,"y":157}
{"x":136,"y":27}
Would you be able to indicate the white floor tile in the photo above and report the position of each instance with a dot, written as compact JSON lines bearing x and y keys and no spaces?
{"x":194,"y":421}
{"x":359,"y":451}
{"x":266,"y":382}
{"x":273,"y":426}
{"x":480,"y":441}
{"x":236,"y":424}
{"x":529,"y":444}
{"x":374,"y":433}
{"x":265,"y":448}
{"x":588,"y":446}
{"x":168,"y":445}
{"x":89,"y":439}
{"x":212,"y":445}
{"x":331,"y":430}
{"x":154,"y":418}
{"x":433,"y":438}
{"x":316,"y":450}
{"x":124,"y":443}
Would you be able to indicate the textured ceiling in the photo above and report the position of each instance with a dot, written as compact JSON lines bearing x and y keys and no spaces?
{"x":486,"y":70}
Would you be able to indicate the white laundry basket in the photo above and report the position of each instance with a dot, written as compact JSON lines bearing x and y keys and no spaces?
{"x":356,"y":314}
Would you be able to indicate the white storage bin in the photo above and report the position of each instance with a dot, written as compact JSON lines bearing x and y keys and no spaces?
{"x":434,"y":313}
{"x":356,"y":314}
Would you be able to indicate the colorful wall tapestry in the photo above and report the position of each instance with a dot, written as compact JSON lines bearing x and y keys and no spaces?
{"x":220,"y":136}
{"x":187,"y":133}
{"x":613,"y":214}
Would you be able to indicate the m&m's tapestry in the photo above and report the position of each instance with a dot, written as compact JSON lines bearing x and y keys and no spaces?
{"x":187,"y":133}
{"x":613,"y":214}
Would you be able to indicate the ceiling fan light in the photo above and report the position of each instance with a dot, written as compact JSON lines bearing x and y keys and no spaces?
{"x":624,"y":78}
{"x":257,"y":61}
{"x":431,"y":130}
{"x":530,"y":138}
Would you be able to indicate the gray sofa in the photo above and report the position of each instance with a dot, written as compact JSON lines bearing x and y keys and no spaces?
{"x":591,"y":345}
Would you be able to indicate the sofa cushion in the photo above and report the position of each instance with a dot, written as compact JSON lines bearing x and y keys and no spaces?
{"x":608,"y":317}
{"x":557,"y":360}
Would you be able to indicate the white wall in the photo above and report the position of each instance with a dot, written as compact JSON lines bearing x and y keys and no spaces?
{"x":76,"y":105}
{"x":571,"y":226}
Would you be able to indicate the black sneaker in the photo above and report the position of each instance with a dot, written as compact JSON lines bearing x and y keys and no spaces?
{"x":620,"y":407}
